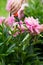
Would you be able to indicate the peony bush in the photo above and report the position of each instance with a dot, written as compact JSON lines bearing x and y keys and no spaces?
{"x":21,"y":39}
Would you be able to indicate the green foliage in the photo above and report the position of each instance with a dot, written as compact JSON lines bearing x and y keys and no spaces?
{"x":35,"y":9}
{"x":20,"y":50}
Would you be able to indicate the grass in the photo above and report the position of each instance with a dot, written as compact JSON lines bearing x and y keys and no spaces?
{"x":3,"y":11}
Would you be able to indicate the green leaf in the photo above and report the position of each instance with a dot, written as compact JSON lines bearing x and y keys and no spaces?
{"x":1,"y":44}
{"x":25,"y":38}
{"x":10,"y":49}
{"x":28,"y":63}
{"x":3,"y":63}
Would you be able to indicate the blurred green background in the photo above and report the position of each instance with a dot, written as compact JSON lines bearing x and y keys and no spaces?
{"x":3,"y":11}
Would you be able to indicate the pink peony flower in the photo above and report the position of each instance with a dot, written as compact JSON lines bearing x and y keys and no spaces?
{"x":20,"y":12}
{"x":10,"y":20}
{"x":8,"y":6}
{"x":2,"y":19}
{"x":32,"y":25}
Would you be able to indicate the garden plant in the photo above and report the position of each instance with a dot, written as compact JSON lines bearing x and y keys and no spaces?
{"x":21,"y":40}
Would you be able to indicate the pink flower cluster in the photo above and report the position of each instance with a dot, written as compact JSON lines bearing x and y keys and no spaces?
{"x":32,"y":25}
{"x":29,"y":24}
